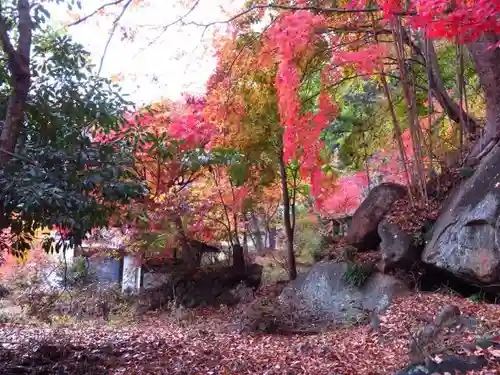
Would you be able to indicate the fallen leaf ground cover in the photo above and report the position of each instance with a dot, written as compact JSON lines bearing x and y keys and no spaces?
{"x":211,"y":344}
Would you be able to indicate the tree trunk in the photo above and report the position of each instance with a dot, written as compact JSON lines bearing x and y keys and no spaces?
{"x":438,"y":90}
{"x":407,"y":85}
{"x":238,"y":258}
{"x":398,"y":136}
{"x":272,"y":237}
{"x":487,"y":62}
{"x":452,"y":109}
{"x":18,"y":61}
{"x":190,"y":256}
{"x":245,"y":237}
{"x":257,"y":233}
{"x":292,"y":268}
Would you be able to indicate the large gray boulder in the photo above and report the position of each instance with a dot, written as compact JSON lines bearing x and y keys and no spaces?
{"x":466,"y":236}
{"x":323,"y":294}
{"x":362,"y":232}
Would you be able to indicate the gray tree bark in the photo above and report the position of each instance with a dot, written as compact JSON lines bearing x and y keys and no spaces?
{"x":18,"y":61}
{"x":287,"y":219}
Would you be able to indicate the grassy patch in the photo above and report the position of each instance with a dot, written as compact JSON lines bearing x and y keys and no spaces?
{"x":358,"y":274}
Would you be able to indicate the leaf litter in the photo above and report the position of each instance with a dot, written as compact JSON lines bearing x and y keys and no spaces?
{"x":211,"y":345}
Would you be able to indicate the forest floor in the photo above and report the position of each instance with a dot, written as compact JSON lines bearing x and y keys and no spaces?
{"x":210,"y":344}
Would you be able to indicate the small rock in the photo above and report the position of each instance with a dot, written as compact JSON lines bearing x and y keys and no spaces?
{"x":447,"y":317}
{"x":397,"y":247}
{"x":303,"y":347}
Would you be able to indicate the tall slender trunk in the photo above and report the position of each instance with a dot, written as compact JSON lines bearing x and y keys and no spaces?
{"x":18,"y":62}
{"x":272,"y":232}
{"x":454,"y":110}
{"x":257,"y":235}
{"x":245,"y":236}
{"x":292,"y":267}
{"x":409,"y":97}
{"x":398,"y":136}
{"x":486,"y":59}
{"x":223,"y":203}
{"x":238,"y":258}
{"x":293,"y":200}
{"x":430,"y":110}
{"x":190,"y":256}
{"x":367,"y":163}
{"x":461,"y":91}
{"x":429,"y":58}
{"x":235,"y":217}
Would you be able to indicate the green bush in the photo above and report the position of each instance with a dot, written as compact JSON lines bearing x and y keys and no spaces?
{"x":75,"y":274}
{"x":318,"y":254}
{"x":313,"y":239}
{"x":307,"y":241}
{"x":325,"y":243}
{"x":477,"y":297}
{"x":356,"y":275}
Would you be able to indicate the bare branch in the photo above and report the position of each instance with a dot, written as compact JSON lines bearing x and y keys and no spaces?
{"x":104,"y":6}
{"x":18,"y":156}
{"x":167,"y":26}
{"x":112,"y":33}
{"x":296,"y":8}
{"x":453,"y":110}
{"x":319,"y":9}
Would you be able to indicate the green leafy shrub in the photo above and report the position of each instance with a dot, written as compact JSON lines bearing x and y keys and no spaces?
{"x":477,"y":298}
{"x":306,"y":240}
{"x":325,"y":242}
{"x":356,"y":275}
{"x":61,"y":176}
{"x":75,"y":273}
